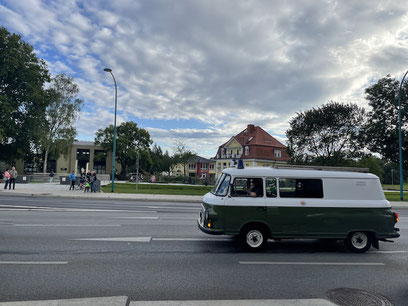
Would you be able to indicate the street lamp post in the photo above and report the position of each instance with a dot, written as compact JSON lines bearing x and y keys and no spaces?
{"x":114,"y":128}
{"x":400,"y":137}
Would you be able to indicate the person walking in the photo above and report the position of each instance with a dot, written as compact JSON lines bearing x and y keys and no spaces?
{"x":72,"y":180}
{"x":6,"y":178}
{"x":13,"y":176}
{"x":51,"y":176}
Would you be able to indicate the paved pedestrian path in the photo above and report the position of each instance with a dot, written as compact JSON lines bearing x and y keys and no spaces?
{"x":58,"y":190}
{"x":123,"y":300}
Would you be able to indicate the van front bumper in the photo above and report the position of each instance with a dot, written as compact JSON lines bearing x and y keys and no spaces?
{"x":210,"y":231}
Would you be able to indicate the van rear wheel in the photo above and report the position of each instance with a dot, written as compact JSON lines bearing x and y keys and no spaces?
{"x":254,"y":238}
{"x":359,"y":242}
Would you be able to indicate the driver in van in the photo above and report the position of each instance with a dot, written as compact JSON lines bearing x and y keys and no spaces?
{"x":257,"y":189}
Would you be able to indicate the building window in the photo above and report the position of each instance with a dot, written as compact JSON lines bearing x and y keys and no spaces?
{"x":246,"y":165}
{"x":278,"y":153}
{"x":204,"y":166}
{"x":191,"y":166}
{"x":211,"y":166}
{"x":246,"y":151}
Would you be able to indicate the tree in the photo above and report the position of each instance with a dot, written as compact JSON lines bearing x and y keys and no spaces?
{"x":130,"y":140}
{"x":161,"y":162}
{"x":22,"y":96}
{"x":381,"y":130}
{"x":326,"y":135}
{"x":182,"y":154}
{"x":58,"y":131}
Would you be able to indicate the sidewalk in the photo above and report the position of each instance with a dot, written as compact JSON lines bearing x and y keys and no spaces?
{"x":57,"y":190}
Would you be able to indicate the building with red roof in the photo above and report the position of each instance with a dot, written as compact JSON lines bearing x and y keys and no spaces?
{"x":254,"y":146}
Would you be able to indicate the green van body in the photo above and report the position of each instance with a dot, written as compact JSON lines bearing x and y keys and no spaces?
{"x":350,"y":202}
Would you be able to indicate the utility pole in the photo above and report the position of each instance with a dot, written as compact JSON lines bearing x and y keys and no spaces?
{"x":137,"y":172}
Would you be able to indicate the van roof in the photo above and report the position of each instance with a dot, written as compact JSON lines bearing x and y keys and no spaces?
{"x":268,"y":171}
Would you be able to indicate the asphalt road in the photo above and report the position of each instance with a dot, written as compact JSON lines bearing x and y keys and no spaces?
{"x":56,"y":248}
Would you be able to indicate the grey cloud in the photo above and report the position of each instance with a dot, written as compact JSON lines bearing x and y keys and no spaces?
{"x":222,"y":62}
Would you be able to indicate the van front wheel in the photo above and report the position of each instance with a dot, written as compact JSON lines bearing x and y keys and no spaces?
{"x":254,"y":238}
{"x":359,"y":242}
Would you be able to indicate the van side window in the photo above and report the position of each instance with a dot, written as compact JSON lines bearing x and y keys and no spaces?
{"x":270,"y":186}
{"x":247,"y":187}
{"x":300,"y":188}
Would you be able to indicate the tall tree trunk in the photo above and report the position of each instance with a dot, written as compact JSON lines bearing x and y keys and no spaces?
{"x":47,"y":150}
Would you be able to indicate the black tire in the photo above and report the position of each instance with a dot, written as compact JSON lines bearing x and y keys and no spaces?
{"x":359,"y":242}
{"x":254,"y":238}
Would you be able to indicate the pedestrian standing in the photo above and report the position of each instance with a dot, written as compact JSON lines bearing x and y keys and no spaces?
{"x":72,"y":180}
{"x":51,"y":176}
{"x":92,"y":181}
{"x":13,"y":176}
{"x":6,"y":178}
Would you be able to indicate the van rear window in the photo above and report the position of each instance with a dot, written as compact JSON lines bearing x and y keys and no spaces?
{"x":300,"y":188}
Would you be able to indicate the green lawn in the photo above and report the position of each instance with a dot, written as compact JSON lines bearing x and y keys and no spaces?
{"x":194,"y":190}
{"x":158,"y":189}
{"x":395,"y":196}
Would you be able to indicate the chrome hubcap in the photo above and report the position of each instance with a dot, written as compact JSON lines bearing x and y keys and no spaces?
{"x":359,"y":240}
{"x":254,"y":238}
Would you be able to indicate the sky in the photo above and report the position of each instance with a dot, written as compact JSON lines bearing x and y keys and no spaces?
{"x":200,"y":71}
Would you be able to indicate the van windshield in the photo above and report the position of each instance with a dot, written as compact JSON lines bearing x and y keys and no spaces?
{"x":221,"y":187}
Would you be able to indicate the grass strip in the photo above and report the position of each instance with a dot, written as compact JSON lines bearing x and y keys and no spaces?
{"x":395,"y":196}
{"x":158,"y":189}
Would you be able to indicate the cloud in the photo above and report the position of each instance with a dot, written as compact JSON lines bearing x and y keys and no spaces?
{"x":224,"y":63}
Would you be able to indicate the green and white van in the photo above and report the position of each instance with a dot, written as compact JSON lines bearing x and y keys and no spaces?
{"x":305,"y":204}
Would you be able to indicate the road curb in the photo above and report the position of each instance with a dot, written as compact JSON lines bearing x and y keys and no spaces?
{"x":107,"y":197}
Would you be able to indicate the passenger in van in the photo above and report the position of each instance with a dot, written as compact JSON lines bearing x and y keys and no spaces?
{"x":257,"y":189}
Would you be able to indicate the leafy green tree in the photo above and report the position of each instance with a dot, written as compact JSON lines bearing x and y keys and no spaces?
{"x":374,"y":164}
{"x":22,"y":96}
{"x":161,"y":162}
{"x":381,"y":129}
{"x":156,"y":154}
{"x":58,"y":129}
{"x":182,"y":154}
{"x":326,"y":135}
{"x":130,"y":141}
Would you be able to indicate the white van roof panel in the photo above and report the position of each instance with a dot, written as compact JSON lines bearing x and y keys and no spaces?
{"x":296,"y":173}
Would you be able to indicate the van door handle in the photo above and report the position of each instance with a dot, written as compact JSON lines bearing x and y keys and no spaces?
{"x":261,"y":208}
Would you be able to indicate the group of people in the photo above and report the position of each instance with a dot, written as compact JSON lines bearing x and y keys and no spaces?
{"x":86,"y":182}
{"x":10,"y":178}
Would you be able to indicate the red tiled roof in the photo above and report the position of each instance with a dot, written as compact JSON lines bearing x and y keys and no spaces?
{"x":261,"y":144}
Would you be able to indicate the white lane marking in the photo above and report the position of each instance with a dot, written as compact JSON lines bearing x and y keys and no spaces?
{"x":148,"y":239}
{"x":190,"y":239}
{"x":142,"y":218}
{"x":249,"y":302}
{"x":121,"y":239}
{"x":67,"y":209}
{"x":178,"y":218}
{"x":387,"y":252}
{"x":311,"y":263}
{"x":67,"y":225}
{"x":172,"y":207}
{"x":33,"y":262}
